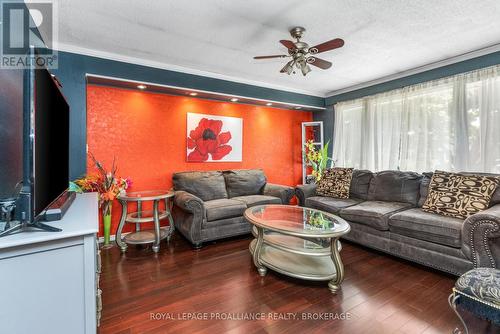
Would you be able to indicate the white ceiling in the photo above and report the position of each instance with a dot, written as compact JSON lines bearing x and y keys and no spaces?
{"x":219,"y":37}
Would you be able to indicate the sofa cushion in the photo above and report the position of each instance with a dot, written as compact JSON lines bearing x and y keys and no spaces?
{"x":395,"y":186}
{"x":223,"y":208}
{"x":360,"y":183}
{"x":335,"y":182}
{"x":424,"y":188}
{"x":253,"y":200}
{"x":459,"y":195}
{"x":245,"y":182}
{"x":205,"y":185}
{"x":418,"y":224}
{"x":373,"y":213}
{"x":330,"y":204}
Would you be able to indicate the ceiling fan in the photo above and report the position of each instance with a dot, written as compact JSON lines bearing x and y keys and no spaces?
{"x":302,"y":54}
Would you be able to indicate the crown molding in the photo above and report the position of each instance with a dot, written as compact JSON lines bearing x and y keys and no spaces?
{"x":420,"y":69}
{"x":170,"y":67}
{"x":182,"y":90}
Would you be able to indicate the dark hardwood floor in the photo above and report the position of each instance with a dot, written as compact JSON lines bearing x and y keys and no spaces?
{"x":145,"y":292}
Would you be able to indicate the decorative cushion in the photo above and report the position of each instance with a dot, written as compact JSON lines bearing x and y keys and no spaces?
{"x":495,"y":198}
{"x":426,"y":180}
{"x":481,"y":283}
{"x":243,"y":182}
{"x":360,"y":183}
{"x":205,"y":185}
{"x":373,"y":213}
{"x":335,"y":182}
{"x":224,"y":208}
{"x":395,"y":186}
{"x":418,"y":224}
{"x":459,"y":195}
{"x":253,"y":200}
{"x":330,"y":204}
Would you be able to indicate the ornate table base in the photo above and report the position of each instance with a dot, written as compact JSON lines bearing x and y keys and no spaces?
{"x":316,"y":259}
{"x":140,"y":237}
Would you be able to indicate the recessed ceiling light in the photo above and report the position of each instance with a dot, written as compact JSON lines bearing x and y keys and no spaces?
{"x":269,"y":104}
{"x":141,"y":86}
{"x":298,"y":108}
{"x":193,"y":93}
{"x":234,"y":99}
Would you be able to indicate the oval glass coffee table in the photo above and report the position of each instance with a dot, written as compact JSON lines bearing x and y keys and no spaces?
{"x":298,"y":242}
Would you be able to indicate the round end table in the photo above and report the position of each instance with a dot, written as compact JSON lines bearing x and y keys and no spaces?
{"x":141,"y":236}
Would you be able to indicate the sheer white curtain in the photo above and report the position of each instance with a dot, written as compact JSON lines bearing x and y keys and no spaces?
{"x":427,"y":127}
{"x":481,"y":109}
{"x":382,"y":131}
{"x":348,"y":134}
{"x":451,"y":124}
{"x":367,"y":132}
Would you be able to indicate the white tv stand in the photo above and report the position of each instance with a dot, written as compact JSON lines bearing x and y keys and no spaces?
{"x":49,"y":280}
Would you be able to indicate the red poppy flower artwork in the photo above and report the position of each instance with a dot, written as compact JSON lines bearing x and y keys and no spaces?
{"x":207,"y":141}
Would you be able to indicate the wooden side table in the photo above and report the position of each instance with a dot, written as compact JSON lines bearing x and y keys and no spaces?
{"x":141,"y":236}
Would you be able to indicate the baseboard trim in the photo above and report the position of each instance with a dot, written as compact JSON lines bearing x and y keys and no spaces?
{"x":112,"y":238}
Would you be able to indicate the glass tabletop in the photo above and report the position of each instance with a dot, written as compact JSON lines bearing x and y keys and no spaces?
{"x":296,"y":220}
{"x":146,"y":195}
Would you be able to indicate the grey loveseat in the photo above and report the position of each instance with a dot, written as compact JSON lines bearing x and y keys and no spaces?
{"x":210,"y":205}
{"x":384,"y":210}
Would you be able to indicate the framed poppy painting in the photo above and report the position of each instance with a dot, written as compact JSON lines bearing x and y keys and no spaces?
{"x":214,"y":138}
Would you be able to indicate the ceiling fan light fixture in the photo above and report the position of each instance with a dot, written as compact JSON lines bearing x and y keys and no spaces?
{"x":305,"y":68}
{"x":302,"y":54}
{"x":286,"y":67}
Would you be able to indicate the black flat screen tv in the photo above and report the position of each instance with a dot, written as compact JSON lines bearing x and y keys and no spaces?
{"x":11,"y":132}
{"x":34,"y":145}
{"x":51,"y":142}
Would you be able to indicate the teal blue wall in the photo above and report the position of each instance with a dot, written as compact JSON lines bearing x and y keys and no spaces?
{"x":72,"y":70}
{"x":327,"y":116}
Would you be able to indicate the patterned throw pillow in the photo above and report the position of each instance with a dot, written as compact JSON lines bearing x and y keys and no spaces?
{"x":335,"y":182}
{"x":459,"y":195}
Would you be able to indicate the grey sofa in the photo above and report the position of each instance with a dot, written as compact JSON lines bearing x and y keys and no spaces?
{"x":210,"y":205}
{"x":384,"y":210}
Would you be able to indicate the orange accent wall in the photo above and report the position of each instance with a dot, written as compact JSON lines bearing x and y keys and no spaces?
{"x":146,"y":132}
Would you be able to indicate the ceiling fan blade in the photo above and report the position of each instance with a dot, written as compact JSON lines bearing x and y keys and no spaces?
{"x":288,"y":44}
{"x":323,"y":64}
{"x":268,"y":57}
{"x":327,"y":46}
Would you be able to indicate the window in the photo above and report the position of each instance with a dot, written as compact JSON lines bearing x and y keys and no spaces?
{"x":451,"y":124}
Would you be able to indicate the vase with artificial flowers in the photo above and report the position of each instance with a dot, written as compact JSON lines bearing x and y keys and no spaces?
{"x":318,"y":159}
{"x":108,"y":185}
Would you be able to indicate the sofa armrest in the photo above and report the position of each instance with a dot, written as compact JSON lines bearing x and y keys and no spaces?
{"x":481,"y":238}
{"x":189,"y":202}
{"x":189,"y":212}
{"x":304,"y":191}
{"x":284,"y":193}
